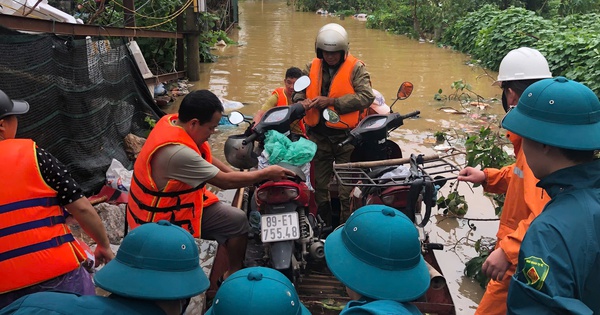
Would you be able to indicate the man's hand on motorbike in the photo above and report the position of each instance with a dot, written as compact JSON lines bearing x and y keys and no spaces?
{"x":496,"y":265}
{"x":276,"y":173}
{"x":322,"y":102}
{"x":305,"y":103}
{"x":470,"y":174}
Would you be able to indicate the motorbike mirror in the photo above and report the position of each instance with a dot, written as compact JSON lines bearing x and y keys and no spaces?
{"x":235,"y":118}
{"x":405,"y":90}
{"x":440,"y":181}
{"x":331,"y":116}
{"x":302,"y":83}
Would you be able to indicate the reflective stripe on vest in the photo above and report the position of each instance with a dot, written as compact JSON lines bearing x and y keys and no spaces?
{"x":32,"y":224}
{"x":341,"y":84}
{"x":282,"y":100}
{"x":178,"y":202}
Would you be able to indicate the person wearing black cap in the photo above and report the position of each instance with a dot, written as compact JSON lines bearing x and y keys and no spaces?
{"x":37,"y":250}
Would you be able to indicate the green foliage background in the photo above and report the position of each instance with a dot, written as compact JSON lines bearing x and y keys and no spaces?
{"x":159,"y":15}
{"x":571,"y":44}
{"x":567,"y":32}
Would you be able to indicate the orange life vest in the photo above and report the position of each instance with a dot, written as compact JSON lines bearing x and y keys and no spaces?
{"x":35,"y":243}
{"x":209,"y":197}
{"x":341,"y":84}
{"x":178,"y":202}
{"x":282,"y":100}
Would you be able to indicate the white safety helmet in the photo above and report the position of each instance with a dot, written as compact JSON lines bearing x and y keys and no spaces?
{"x":523,"y":64}
{"x":332,"y":37}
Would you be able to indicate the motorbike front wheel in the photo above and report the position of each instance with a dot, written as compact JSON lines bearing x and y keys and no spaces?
{"x":291,"y":274}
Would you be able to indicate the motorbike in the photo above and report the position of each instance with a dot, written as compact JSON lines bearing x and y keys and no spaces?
{"x":409,"y":185}
{"x":289,"y":232}
{"x":395,"y":185}
{"x":375,"y":145}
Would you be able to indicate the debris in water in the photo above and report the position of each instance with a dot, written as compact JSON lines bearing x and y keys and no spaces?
{"x":451,"y":110}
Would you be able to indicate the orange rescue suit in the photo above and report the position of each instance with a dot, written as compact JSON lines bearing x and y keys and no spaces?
{"x":341,"y":84}
{"x":524,"y":201}
{"x":35,"y":243}
{"x":177,"y":202}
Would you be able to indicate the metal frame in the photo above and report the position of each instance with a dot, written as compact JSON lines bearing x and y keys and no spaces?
{"x":351,"y":176}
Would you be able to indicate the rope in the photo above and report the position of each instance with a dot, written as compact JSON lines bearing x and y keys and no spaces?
{"x":179,"y":12}
{"x":174,"y":14}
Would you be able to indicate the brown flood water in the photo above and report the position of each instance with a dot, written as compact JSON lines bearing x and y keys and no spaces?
{"x":272,"y":37}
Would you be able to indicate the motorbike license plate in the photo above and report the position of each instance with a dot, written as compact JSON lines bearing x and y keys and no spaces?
{"x":280,"y":227}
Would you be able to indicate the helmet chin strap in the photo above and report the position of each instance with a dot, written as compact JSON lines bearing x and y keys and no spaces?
{"x":505,"y":105}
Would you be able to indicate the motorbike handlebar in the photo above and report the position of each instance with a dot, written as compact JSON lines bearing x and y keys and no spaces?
{"x":413,"y":114}
{"x":250,"y":138}
{"x":346,"y":141}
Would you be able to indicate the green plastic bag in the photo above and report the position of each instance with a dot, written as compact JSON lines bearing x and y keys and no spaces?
{"x":281,"y":149}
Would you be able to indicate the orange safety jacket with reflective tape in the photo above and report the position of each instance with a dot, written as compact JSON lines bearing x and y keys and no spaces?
{"x":282,"y":100}
{"x":35,"y":243}
{"x":178,"y":202}
{"x":208,"y":196}
{"x":341,"y":84}
{"x":524,"y":200}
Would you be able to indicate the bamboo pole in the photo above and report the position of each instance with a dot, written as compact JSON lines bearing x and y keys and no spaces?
{"x":384,"y":162}
{"x":437,"y":280}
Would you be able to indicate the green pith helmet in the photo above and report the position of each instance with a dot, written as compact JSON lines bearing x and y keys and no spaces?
{"x":257,"y":291}
{"x":558,"y":112}
{"x":377,"y":254}
{"x":156,"y":261}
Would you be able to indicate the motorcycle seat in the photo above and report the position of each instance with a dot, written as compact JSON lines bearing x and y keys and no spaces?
{"x":299,"y":173}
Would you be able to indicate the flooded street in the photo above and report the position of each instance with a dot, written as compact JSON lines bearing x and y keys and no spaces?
{"x":272,"y":37}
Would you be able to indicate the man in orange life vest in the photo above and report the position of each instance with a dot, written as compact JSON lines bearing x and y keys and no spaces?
{"x":283,"y":96}
{"x":339,"y":81}
{"x":524,"y":200}
{"x":37,"y":250}
{"x":170,"y":173}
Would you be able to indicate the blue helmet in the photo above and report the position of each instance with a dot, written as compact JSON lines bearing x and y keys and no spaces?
{"x":558,"y":112}
{"x":377,"y":254}
{"x":156,"y":261}
{"x":257,"y":291}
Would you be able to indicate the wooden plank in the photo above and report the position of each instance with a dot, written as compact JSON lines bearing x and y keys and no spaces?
{"x":45,"y":26}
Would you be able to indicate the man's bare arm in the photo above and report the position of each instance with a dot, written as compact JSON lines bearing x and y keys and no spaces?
{"x":87,"y":217}
{"x":242,"y":179}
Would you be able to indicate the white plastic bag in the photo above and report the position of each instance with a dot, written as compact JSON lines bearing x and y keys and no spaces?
{"x":400,"y":171}
{"x":118,"y":177}
{"x":229,"y":105}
